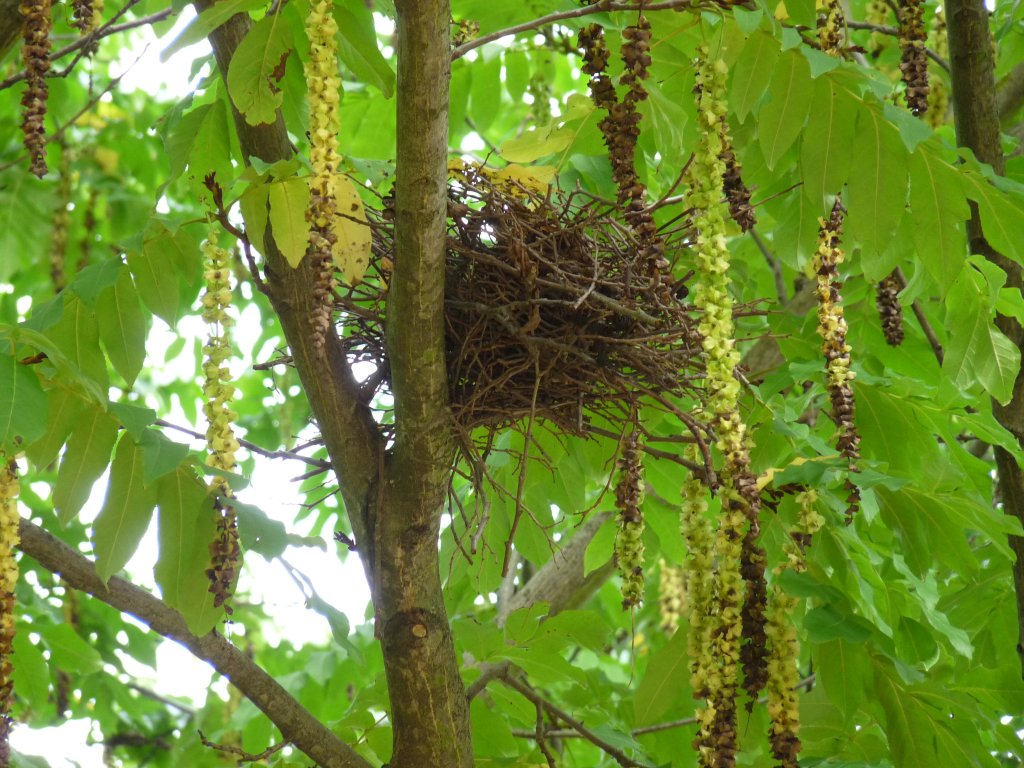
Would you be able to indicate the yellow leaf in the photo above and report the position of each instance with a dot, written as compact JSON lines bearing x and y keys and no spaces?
{"x":352,"y":249}
{"x":535,"y":178}
{"x":781,"y":13}
{"x":288,"y":202}
{"x":107,"y":159}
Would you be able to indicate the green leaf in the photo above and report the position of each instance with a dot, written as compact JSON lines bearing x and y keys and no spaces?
{"x":878,"y":181}
{"x":601,"y":547}
{"x":976,"y":352}
{"x":210,"y":152}
{"x":65,"y":408}
{"x":77,"y":336}
{"x":288,"y":202}
{"x":485,"y":91}
{"x":258,"y":533}
{"x":844,"y":669}
{"x":123,"y":327}
{"x":159,"y":455}
{"x":85,"y":459}
{"x":96,"y":278}
{"x":186,"y":527}
{"x":932,"y":526}
{"x":825,"y":623}
{"x":23,"y":404}
{"x":134,"y":418}
{"x":212,"y":17}
{"x":358,"y":47}
{"x":156,"y":273}
{"x":126,"y":512}
{"x":257,"y":67}
{"x":69,"y":373}
{"x":253,"y":203}
{"x":939,"y":210}
{"x":68,"y":651}
{"x":666,"y":681}
{"x":825,"y":153}
{"x":781,"y":119}
{"x":1002,"y":218}
{"x":32,"y":675}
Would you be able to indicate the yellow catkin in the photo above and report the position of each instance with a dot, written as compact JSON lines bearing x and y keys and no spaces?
{"x":832,"y":328}
{"x":218,"y":392}
{"x":877,"y":13}
{"x":671,"y":596}
{"x":830,"y":28}
{"x":938,"y":94}
{"x":9,"y":539}
{"x":783,"y":646}
{"x":324,"y":86}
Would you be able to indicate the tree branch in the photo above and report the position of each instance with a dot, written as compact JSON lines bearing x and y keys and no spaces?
{"x":604,"y":6}
{"x":977,"y":127}
{"x":296,"y":724}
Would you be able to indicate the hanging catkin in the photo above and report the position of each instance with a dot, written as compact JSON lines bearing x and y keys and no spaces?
{"x":9,"y":539}
{"x":35,"y":54}
{"x":225,"y":554}
{"x":324,"y":85}
{"x":832,"y":329}
{"x":913,"y":56}
{"x":629,"y":494}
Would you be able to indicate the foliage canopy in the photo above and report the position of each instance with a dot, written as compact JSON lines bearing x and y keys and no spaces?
{"x":499,"y":635}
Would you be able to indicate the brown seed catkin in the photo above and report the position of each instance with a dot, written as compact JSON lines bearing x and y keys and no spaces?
{"x":889,"y":309}
{"x":35,"y":53}
{"x":629,"y":546}
{"x":913,"y":56}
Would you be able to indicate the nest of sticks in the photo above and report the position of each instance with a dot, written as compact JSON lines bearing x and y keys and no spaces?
{"x":549,"y":313}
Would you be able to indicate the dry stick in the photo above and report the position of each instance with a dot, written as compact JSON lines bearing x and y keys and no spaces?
{"x":241,"y":754}
{"x":585,"y":733}
{"x":604,"y":6}
{"x":295,"y":722}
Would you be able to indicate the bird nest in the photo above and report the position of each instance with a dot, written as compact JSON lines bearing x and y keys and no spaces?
{"x":549,"y":314}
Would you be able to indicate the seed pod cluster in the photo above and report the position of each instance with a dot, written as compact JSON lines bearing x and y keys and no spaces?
{"x":832,"y":328}
{"x":699,"y":577}
{"x":621,"y":129}
{"x":83,"y":15}
{"x":9,"y":538}
{"x":783,"y":647}
{"x":671,"y":595}
{"x":913,"y":56}
{"x":938,"y":94}
{"x":830,"y":29}
{"x":737,"y":609}
{"x":218,"y":391}
{"x":888,"y":302}
{"x":629,"y":496}
{"x":324,"y":86}
{"x":88,"y":229}
{"x":35,"y":54}
{"x":61,"y":222}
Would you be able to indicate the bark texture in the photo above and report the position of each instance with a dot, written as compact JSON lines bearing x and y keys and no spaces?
{"x":977,"y":128}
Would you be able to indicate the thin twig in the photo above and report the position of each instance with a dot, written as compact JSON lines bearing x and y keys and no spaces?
{"x":773,"y":265}
{"x":922,"y":319}
{"x":604,"y":6}
{"x":581,"y":730}
{"x":894,"y":32}
{"x":243,"y":756}
{"x":320,"y":464}
{"x":83,"y":42}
